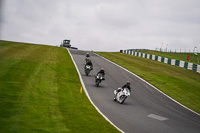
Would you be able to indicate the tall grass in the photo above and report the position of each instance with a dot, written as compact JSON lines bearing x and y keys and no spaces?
{"x":39,"y":92}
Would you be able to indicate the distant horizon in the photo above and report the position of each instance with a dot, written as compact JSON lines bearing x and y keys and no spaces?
{"x":173,"y":51}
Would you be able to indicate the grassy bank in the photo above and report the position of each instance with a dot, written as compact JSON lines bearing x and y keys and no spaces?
{"x":178,"y":56}
{"x":180,"y":84}
{"x":39,"y":92}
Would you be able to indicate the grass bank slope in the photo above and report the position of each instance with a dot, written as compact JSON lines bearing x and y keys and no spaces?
{"x":39,"y":92}
{"x":181,"y":84}
{"x":178,"y":56}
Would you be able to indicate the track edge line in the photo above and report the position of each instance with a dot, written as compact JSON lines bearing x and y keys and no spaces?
{"x":151,"y":86}
{"x":84,"y":88}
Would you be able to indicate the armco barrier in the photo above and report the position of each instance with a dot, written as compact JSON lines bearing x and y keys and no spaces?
{"x":179,"y":63}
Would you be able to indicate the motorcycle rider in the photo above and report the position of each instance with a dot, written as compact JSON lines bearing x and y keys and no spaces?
{"x":127,"y":85}
{"x":86,"y":59}
{"x":102,"y":72}
{"x":89,"y":62}
{"x":87,"y":55}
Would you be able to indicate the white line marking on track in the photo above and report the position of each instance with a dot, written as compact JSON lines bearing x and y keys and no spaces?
{"x":151,"y":85}
{"x":157,"y":117}
{"x":85,"y":90}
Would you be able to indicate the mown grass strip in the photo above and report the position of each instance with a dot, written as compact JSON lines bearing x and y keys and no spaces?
{"x":40,"y":92}
{"x":181,"y":84}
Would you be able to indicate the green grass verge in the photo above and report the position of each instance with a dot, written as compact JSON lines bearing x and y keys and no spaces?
{"x":40,"y":92}
{"x":181,"y":84}
{"x":178,"y":56}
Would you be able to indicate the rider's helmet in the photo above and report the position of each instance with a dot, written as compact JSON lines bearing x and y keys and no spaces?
{"x":102,"y":70}
{"x":128,"y":83}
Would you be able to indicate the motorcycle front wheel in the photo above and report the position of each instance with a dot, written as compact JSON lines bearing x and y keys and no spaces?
{"x":97,"y":83}
{"x":87,"y":72}
{"x":122,"y":99}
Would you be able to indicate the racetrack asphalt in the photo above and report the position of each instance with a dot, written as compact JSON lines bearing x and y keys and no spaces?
{"x":145,"y":111}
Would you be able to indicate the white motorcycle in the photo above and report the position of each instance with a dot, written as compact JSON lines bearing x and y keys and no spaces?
{"x":122,"y":95}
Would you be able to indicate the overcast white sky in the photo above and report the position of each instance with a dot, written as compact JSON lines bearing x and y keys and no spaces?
{"x":103,"y":25}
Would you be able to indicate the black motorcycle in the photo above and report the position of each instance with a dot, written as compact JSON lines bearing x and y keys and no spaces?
{"x":98,"y":78}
